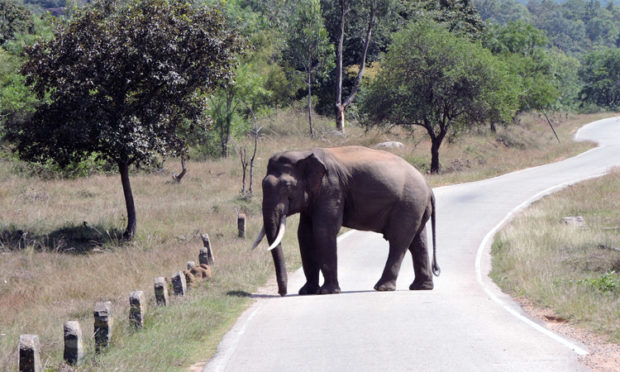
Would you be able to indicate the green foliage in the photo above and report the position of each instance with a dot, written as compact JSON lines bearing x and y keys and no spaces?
{"x":502,"y":11}
{"x":574,"y":26}
{"x":47,"y":4}
{"x":51,"y":170}
{"x":522,"y":47}
{"x":435,"y":79}
{"x":120,"y":79}
{"x":308,"y":49}
{"x":16,"y":99}
{"x":600,"y":73}
{"x":606,"y":283}
{"x":14,"y":18}
{"x":565,"y":69}
{"x":458,"y":16}
{"x":307,"y":45}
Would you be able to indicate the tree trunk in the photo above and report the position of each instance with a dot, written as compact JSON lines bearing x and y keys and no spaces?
{"x":340,"y":112}
{"x":130,"y":231}
{"x":179,"y":176}
{"x":435,"y":155}
{"x":309,"y":83}
{"x":339,"y":108}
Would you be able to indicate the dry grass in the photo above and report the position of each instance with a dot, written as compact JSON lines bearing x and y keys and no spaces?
{"x":573,"y":271}
{"x":63,"y":267}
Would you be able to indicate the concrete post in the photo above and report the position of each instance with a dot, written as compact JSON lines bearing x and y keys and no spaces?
{"x":29,"y":353}
{"x":74,"y":346}
{"x":179,"y":284}
{"x":137,"y":309}
{"x":206,"y":253}
{"x":161,"y":291}
{"x":103,"y":325}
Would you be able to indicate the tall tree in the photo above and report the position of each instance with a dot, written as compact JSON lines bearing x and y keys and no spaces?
{"x":600,"y":73}
{"x":434,"y":79}
{"x":121,"y":76}
{"x":307,"y":46}
{"x":371,"y":8}
{"x":523,"y":47}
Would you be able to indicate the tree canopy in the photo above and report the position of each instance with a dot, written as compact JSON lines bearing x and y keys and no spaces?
{"x":435,"y":79}
{"x":600,"y":73}
{"x":119,"y":79}
{"x":307,"y":46}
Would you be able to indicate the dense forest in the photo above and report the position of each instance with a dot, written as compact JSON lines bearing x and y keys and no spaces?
{"x":482,"y":63}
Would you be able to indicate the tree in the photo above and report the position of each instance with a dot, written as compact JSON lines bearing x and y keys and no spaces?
{"x":458,"y":16}
{"x":121,"y":77}
{"x":14,"y":18}
{"x":502,"y":11}
{"x":435,"y":79}
{"x":523,"y":48}
{"x":307,"y":46}
{"x":16,"y":99}
{"x":372,"y":7}
{"x":600,"y":73}
{"x":228,"y":104}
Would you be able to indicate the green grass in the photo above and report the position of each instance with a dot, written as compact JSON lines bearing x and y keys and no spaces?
{"x":573,"y":271}
{"x":61,"y":267}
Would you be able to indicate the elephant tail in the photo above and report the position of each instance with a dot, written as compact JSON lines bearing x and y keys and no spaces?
{"x":436,"y":269}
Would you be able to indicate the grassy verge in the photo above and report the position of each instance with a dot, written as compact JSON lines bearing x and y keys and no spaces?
{"x":575,"y":271}
{"x":70,"y":256}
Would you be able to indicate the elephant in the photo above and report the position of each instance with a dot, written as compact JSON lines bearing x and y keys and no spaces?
{"x":350,"y":186}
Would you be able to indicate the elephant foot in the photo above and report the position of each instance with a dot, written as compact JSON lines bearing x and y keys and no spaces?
{"x":385,"y":286}
{"x":309,"y":289}
{"x":421,"y":285}
{"x":329,"y":289}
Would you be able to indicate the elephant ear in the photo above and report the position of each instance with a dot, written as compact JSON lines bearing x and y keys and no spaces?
{"x":313,"y":170}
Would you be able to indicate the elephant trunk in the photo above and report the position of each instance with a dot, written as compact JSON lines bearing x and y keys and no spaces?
{"x":274,"y":230}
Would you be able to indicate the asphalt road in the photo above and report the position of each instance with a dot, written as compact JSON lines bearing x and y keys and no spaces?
{"x":464,"y":324}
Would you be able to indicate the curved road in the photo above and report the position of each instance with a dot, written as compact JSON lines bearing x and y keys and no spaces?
{"x":464,"y":324}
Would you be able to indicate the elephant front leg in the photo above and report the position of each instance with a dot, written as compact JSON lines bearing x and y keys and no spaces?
{"x":308,"y":252}
{"x":421,"y":267}
{"x":326,"y":243}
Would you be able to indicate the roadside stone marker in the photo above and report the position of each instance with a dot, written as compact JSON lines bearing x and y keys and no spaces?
{"x":103,"y":325}
{"x":29,"y":353}
{"x":74,"y":347}
{"x":206,"y":253}
{"x":241,"y":224}
{"x":390,"y":145}
{"x":576,"y":221}
{"x":137,"y":309}
{"x":161,"y":291}
{"x":179,"y":284}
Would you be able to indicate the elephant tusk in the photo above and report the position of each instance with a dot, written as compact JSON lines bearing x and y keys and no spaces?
{"x":280,"y":234}
{"x":260,"y":237}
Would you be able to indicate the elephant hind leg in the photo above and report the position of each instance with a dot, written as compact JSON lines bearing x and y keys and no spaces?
{"x":421,"y":267}
{"x":392,"y":266}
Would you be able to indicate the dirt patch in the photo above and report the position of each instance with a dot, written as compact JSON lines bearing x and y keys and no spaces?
{"x":602,"y":357}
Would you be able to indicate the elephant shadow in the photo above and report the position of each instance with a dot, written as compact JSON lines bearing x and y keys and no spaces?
{"x":240,"y":293}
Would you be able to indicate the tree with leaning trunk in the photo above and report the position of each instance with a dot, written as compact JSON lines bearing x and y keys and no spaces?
{"x":118,"y":81}
{"x":345,"y":7}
